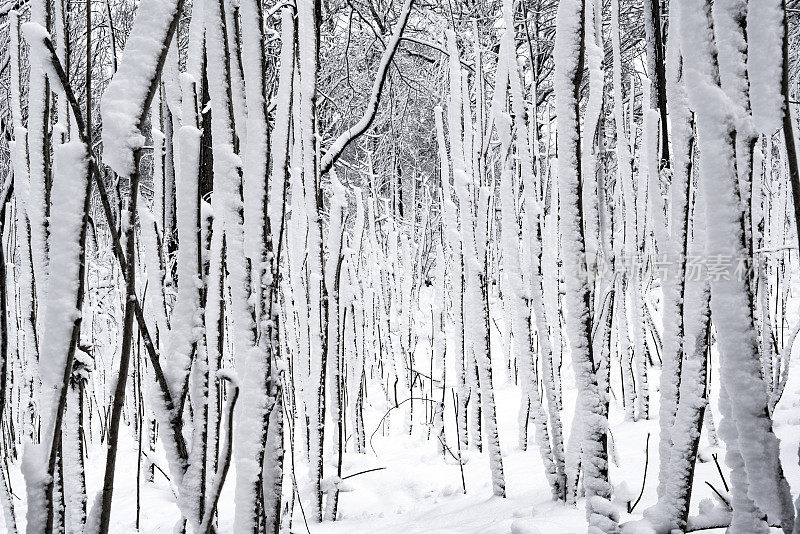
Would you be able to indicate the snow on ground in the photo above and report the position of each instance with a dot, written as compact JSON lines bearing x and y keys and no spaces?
{"x":419,"y":492}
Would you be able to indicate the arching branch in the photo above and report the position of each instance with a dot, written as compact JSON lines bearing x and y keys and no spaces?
{"x":362,"y":125}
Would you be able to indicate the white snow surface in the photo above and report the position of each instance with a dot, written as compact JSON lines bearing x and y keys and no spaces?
{"x":420,"y":492}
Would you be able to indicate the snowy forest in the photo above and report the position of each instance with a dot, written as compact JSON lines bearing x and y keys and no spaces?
{"x":399,"y":266}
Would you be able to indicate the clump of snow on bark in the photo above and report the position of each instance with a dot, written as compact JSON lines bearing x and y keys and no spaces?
{"x":124,"y":100}
{"x":764,"y":53}
{"x":68,"y":193}
{"x":36,"y":35}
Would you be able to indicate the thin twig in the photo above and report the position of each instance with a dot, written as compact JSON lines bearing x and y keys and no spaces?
{"x":390,"y":411}
{"x":721,"y":497}
{"x":458,"y":442}
{"x":644,"y":477}
{"x":719,"y":469}
{"x":363,"y":472}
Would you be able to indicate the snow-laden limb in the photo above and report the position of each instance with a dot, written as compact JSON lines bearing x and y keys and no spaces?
{"x":685,"y":433}
{"x":640,"y":346}
{"x":159,"y":160}
{"x":272,"y":463}
{"x":746,"y":518}
{"x":518,"y":308}
{"x":731,"y":300}
{"x":195,"y":49}
{"x":481,"y":347}
{"x":194,"y":484}
{"x":234,"y":44}
{"x":272,"y":468}
{"x":765,"y":30}
{"x":15,"y":85}
{"x":732,"y":49}
{"x":128,"y":95}
{"x":333,"y":269}
{"x":62,"y":317}
{"x":676,"y":246}
{"x":18,"y":148}
{"x":171,"y":95}
{"x":634,"y":232}
{"x":452,"y":251}
{"x":279,"y":176}
{"x":264,"y":214}
{"x":552,"y":286}
{"x":361,"y":126}
{"x":711,"y":515}
{"x":228,"y":204}
{"x":438,"y":336}
{"x":151,"y":252}
{"x":61,"y":129}
{"x":255,"y":403}
{"x":34,"y":189}
{"x":34,"y":469}
{"x":72,"y":447}
{"x":649,"y":157}
{"x":567,"y":53}
{"x":473,"y":238}
{"x":459,"y":246}
{"x":532,"y":227}
{"x":293,"y":284}
{"x":307,"y":16}
{"x":649,"y":208}
{"x":768,"y":350}
{"x":187,"y":318}
{"x":626,"y":355}
{"x":255,"y":147}
{"x":589,"y":147}
{"x":214,"y":329}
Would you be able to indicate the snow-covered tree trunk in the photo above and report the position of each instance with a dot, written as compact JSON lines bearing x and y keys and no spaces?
{"x":69,"y":217}
{"x":569,"y":54}
{"x":688,"y":421}
{"x":731,"y":299}
{"x":533,"y":287}
{"x":227,"y":202}
{"x":185,"y":343}
{"x":518,"y":308}
{"x":318,"y":311}
{"x":333,"y":278}
{"x":473,"y":214}
{"x":452,"y":240}
{"x":40,"y":172}
{"x":25,"y":277}
{"x":676,"y":248}
{"x":272,"y":463}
